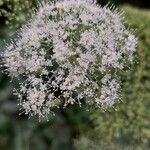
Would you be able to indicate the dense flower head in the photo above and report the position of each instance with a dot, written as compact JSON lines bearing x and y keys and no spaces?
{"x":69,"y":52}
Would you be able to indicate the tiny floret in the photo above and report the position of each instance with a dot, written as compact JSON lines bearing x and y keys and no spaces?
{"x":69,"y":52}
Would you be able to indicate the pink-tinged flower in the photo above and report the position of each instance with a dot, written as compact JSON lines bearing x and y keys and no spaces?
{"x":70,"y":51}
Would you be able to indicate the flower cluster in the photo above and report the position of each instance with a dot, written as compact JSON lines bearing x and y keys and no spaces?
{"x":69,"y":52}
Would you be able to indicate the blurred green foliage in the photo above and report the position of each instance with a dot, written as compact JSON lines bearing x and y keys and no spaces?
{"x":127,"y":128}
{"x":14,"y":12}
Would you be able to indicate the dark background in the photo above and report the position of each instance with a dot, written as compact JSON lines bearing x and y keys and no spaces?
{"x":137,"y":3}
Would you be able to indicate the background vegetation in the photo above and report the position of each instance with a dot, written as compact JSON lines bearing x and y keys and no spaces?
{"x":127,"y":127}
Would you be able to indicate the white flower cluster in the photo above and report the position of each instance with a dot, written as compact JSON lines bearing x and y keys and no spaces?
{"x":70,"y":51}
